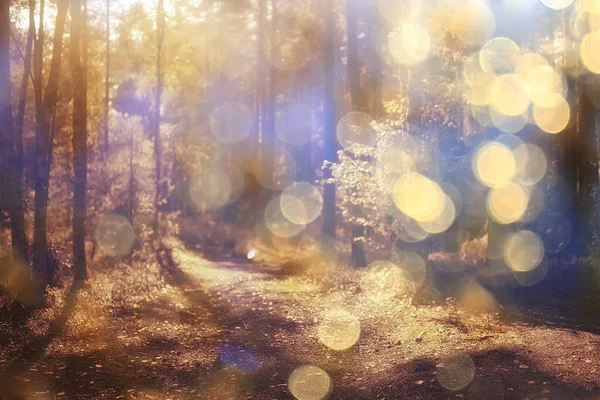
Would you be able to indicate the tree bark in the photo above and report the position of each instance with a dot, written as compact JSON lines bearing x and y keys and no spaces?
{"x":43,"y":145}
{"x":160,"y":34}
{"x":107,"y":82}
{"x":329,"y":119}
{"x":358,"y":104}
{"x":79,"y":141}
{"x":11,"y":174}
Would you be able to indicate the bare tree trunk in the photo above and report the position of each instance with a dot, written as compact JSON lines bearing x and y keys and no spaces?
{"x":131,"y":176}
{"x":13,"y":147}
{"x":358,"y":104}
{"x":43,"y":145}
{"x":160,"y":34}
{"x":38,"y":57}
{"x":107,"y":82}
{"x":329,"y":118}
{"x":24,"y":85}
{"x":78,"y":45}
{"x":269,"y":110}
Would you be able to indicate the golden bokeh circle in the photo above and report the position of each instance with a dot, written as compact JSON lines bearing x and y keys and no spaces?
{"x":309,"y":382}
{"x":231,"y":123}
{"x":355,"y":128}
{"x":524,"y":251}
{"x":507,"y":204}
{"x":339,"y":330}
{"x":494,"y":165}
{"x":555,"y":116}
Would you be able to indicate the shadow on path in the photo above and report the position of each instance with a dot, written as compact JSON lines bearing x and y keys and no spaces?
{"x":10,"y":386}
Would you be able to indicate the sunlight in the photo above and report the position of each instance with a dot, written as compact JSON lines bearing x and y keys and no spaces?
{"x":309,"y":199}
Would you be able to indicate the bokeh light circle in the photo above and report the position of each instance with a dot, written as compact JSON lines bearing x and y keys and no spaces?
{"x":382,"y":280}
{"x":231,"y":123}
{"x":115,"y":235}
{"x":309,"y":382}
{"x":215,"y":187}
{"x":531,"y":164}
{"x":418,"y":197}
{"x":557,"y":4}
{"x":554,"y":116}
{"x":355,"y":128}
{"x":414,"y":266}
{"x":239,"y":358}
{"x":533,"y":277}
{"x":277,"y":223}
{"x":339,"y":330}
{"x":507,"y":204}
{"x":494,"y":165}
{"x":499,"y":55}
{"x":301,"y":203}
{"x":509,"y":95}
{"x":589,"y":51}
{"x":524,"y":251}
{"x":409,"y":44}
{"x":276,"y":170}
{"x":474,"y":23}
{"x":293,"y":124}
{"x":456,"y":372}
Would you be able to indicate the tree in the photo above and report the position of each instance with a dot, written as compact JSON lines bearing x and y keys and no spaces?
{"x":107,"y":82}
{"x":160,"y":36}
{"x":44,"y":111}
{"x":358,"y":100}
{"x":11,"y":170}
{"x":329,"y":118}
{"x":78,"y":45}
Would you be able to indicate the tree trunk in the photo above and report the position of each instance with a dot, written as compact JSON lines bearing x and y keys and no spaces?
{"x":160,"y":34}
{"x":358,"y":104}
{"x":107,"y":82}
{"x":42,"y":134}
{"x":19,"y":124}
{"x":329,"y":118}
{"x":270,"y":107}
{"x":11,"y":174}
{"x":78,"y":45}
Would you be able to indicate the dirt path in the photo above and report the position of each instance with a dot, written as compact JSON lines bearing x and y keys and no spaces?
{"x":230,"y":331}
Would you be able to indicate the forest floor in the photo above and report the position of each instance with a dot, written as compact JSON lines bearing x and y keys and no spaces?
{"x":229,"y":330}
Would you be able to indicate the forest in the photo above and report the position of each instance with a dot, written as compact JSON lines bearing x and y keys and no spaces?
{"x":299,"y":199}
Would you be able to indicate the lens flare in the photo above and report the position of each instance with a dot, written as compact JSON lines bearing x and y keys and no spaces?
{"x":383,"y":280}
{"x":355,"y":128}
{"x":115,"y":235}
{"x":231,"y":123}
{"x":277,"y":223}
{"x":509,"y":95}
{"x":309,"y":382}
{"x":499,"y":55}
{"x":554,"y":116}
{"x":494,"y":165}
{"x":339,"y":330}
{"x":473,"y":23}
{"x":557,"y":4}
{"x":409,"y":44}
{"x":293,"y":124}
{"x":301,"y":203}
{"x":524,"y":251}
{"x":589,"y":51}
{"x":507,"y":204}
{"x":419,"y":197}
{"x":456,"y":372}
{"x":531,"y":164}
